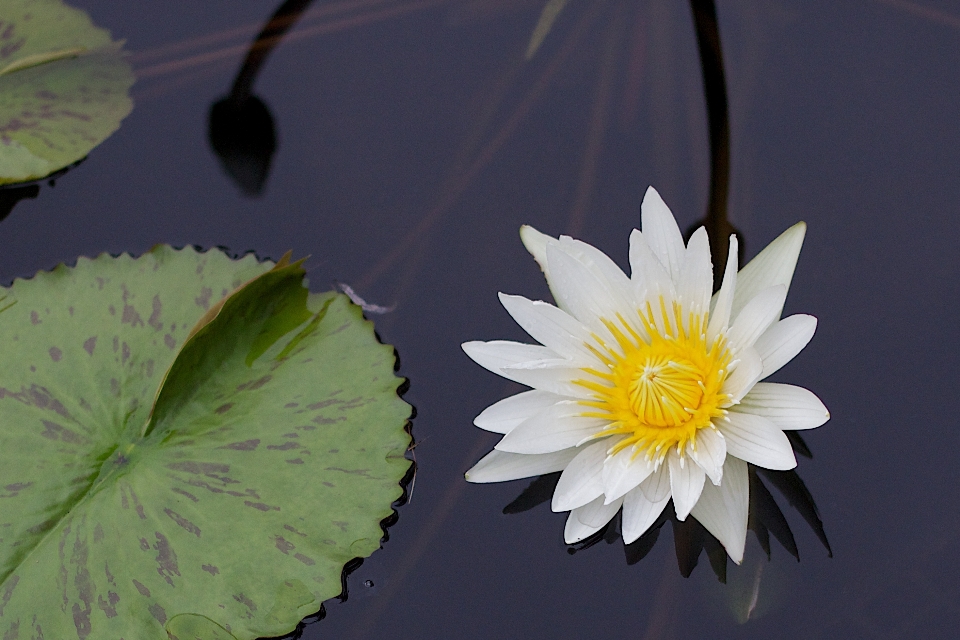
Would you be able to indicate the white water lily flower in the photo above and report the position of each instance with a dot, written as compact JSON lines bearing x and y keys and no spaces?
{"x":645,"y":387}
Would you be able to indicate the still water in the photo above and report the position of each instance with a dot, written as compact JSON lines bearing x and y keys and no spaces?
{"x":413,"y":141}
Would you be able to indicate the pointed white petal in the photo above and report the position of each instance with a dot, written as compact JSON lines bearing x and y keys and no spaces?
{"x":710,"y":450}
{"x":686,"y":483}
{"x":600,"y":264}
{"x":579,"y":292}
{"x":757,"y":440}
{"x":557,"y":427}
{"x":496,"y":354}
{"x":762,"y":311}
{"x":536,"y":244}
{"x":506,"y":414}
{"x":744,"y":376}
{"x":551,"y":327}
{"x":783,"y":341}
{"x":696,"y":275}
{"x":588,"y":519}
{"x":772,"y":266}
{"x":548,"y":375}
{"x":500,"y":466}
{"x":624,"y":471}
{"x":639,"y":513}
{"x":581,"y":480}
{"x":723,"y":510}
{"x":662,"y":233}
{"x":723,"y":300}
{"x":786,"y":406}
{"x":657,"y":485}
{"x":649,"y":278}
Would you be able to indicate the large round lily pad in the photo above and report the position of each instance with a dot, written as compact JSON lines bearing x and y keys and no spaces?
{"x":171,"y":465}
{"x":63,"y":88}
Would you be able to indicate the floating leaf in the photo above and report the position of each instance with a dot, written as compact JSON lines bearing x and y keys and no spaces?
{"x":63,"y":88}
{"x":174,"y":465}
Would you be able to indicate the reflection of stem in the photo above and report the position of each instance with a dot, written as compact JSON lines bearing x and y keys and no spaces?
{"x":718,"y":119}
{"x":280,"y":22}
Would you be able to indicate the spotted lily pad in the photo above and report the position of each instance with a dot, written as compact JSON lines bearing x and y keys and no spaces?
{"x":174,"y":466}
{"x":63,"y":88}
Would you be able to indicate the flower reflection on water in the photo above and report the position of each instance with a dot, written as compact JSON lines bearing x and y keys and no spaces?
{"x":645,"y":387}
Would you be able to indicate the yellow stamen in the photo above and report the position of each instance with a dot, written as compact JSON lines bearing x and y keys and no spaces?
{"x":660,"y":385}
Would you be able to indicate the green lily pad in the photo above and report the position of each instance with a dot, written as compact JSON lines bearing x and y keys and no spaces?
{"x":173,"y":466}
{"x":63,"y":88}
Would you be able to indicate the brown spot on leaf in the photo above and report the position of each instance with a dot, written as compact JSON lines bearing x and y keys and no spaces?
{"x":304,"y":559}
{"x":183,"y":522}
{"x":169,"y":341}
{"x":90,"y":344}
{"x":246,"y":445}
{"x":294,"y":530}
{"x":222,"y":409}
{"x":253,"y":385}
{"x":35,"y":318}
{"x":284,"y":545}
{"x":54,"y":431}
{"x":167,"y":557}
{"x":124,"y":353}
{"x":259,"y":506}
{"x":211,"y":569}
{"x":204,"y":299}
{"x":154,"y":320}
{"x":245,"y":601}
{"x":84,"y":587}
{"x":185,"y":494}
{"x":55,"y":354}
{"x":142,"y":589}
{"x":8,"y":592}
{"x":323,"y":420}
{"x":291,"y":405}
{"x":294,"y":461}
{"x":130,"y":316}
{"x":199,"y":467}
{"x":286,"y":446}
{"x":323,"y":403}
{"x":157,"y":612}
{"x":112,"y":310}
{"x":109,"y":606}
{"x":144,"y":544}
{"x":98,"y":533}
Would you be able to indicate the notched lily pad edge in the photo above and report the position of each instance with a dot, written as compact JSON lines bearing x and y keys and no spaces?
{"x":405,"y":485}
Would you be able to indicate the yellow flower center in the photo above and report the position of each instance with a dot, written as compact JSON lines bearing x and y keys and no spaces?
{"x":659,"y":387}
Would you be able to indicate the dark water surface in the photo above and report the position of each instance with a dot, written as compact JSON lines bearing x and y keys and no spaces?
{"x":414,"y":141}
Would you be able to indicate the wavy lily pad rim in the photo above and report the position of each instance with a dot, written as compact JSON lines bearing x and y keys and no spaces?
{"x":405,"y":482}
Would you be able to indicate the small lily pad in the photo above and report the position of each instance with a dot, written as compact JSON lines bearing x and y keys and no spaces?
{"x":63,"y":88}
{"x":174,"y":466}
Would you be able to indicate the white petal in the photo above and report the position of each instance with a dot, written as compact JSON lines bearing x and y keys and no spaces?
{"x":548,"y":375}
{"x":581,"y":480}
{"x":588,"y":519}
{"x":496,"y":354}
{"x":696,"y":275}
{"x":723,"y":300}
{"x":662,"y":233}
{"x":600,"y":264}
{"x":762,"y":311}
{"x":723,"y":510}
{"x":551,"y":327}
{"x":558,"y":427}
{"x":772,"y":266}
{"x":503,"y":416}
{"x":500,"y":466}
{"x":657,"y":485}
{"x":783,"y":341}
{"x":639,"y":513}
{"x":579,"y":292}
{"x":785,"y":405}
{"x":624,"y":471}
{"x":744,"y":376}
{"x":686,"y":483}
{"x":710,"y":450}
{"x":650,"y":280}
{"x":757,"y":440}
{"x":536,"y":244}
